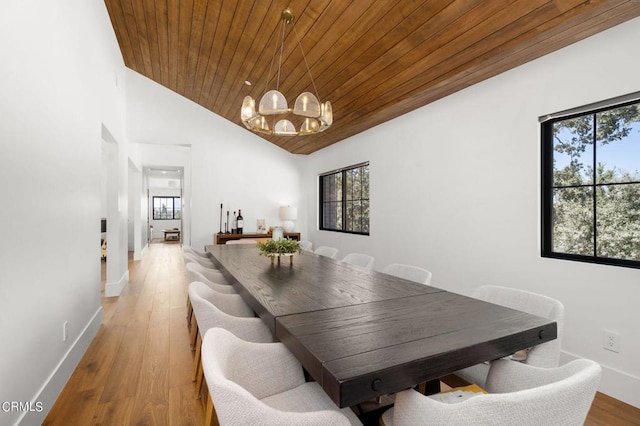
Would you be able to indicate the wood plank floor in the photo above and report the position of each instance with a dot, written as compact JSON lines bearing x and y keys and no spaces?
{"x":138,"y":368}
{"x":137,"y":371}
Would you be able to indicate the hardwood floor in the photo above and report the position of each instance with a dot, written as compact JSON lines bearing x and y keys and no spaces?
{"x":138,"y":368}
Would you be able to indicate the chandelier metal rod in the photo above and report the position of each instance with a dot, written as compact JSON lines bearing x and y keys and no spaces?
{"x":284,"y":32}
{"x":313,"y":83}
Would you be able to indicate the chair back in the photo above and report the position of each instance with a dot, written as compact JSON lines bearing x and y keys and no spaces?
{"x":546,"y":354}
{"x":230,"y":304}
{"x":212,"y":275}
{"x":216,"y":286}
{"x":306,"y":245}
{"x":230,"y":313}
{"x":193,"y":251}
{"x":241,"y":241}
{"x":409,"y":272}
{"x":325,"y":251}
{"x":240,"y":374}
{"x":193,"y":258}
{"x":520,"y":395}
{"x":359,"y":259}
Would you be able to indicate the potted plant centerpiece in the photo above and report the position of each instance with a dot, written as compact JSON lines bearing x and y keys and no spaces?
{"x":281,"y":247}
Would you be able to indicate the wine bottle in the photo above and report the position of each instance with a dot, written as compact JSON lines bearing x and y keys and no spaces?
{"x":234,"y":226}
{"x":240,"y":222}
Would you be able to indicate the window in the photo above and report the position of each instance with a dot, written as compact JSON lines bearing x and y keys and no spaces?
{"x":166,"y":208}
{"x":344,"y":200}
{"x":591,"y":184}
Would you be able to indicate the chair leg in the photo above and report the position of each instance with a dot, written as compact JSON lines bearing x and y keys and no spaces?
{"x":196,"y":357}
{"x":199,"y":381}
{"x":194,"y":334}
{"x":431,"y":387}
{"x":189,"y":313}
{"x":210,"y":417}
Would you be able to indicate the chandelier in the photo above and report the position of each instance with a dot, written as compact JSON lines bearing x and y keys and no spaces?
{"x":273,"y":107}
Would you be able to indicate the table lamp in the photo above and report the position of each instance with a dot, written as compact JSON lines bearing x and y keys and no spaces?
{"x":288,"y":214}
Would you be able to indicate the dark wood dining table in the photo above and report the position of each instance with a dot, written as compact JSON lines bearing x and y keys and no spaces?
{"x":361,"y":333}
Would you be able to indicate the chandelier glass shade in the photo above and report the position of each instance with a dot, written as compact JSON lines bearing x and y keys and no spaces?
{"x":269,"y":118}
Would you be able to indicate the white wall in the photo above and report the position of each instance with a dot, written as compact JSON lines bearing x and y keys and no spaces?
{"x":228,"y":164}
{"x":60,"y":63}
{"x":116,"y":180}
{"x":455,"y":188}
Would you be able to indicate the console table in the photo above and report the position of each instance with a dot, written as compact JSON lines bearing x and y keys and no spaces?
{"x":171,"y":234}
{"x":223,"y":238}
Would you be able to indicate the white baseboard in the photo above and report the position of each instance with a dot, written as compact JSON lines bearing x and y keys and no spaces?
{"x":615,"y":383}
{"x":54,"y":384}
{"x":114,"y":289}
{"x":137,"y":255}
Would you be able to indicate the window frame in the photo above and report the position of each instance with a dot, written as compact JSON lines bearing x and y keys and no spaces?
{"x":547,"y":181}
{"x":343,"y":171}
{"x":173,"y":198}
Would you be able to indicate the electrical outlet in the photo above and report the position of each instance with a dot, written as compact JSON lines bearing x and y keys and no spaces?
{"x":65,"y":325}
{"x":611,"y":341}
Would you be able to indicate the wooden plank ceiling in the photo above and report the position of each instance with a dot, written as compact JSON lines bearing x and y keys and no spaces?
{"x":374,"y":60}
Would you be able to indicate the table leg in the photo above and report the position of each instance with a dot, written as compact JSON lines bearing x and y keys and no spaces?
{"x":431,"y":387}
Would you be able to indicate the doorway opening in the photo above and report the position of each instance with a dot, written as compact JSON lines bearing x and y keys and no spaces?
{"x":165,"y":198}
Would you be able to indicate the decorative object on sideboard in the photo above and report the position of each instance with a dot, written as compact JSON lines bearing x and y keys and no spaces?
{"x":220,"y":219}
{"x":239,"y":222}
{"x":262,"y":227}
{"x":277,"y":248}
{"x":234,"y":225}
{"x":319,"y":116}
{"x":288,"y":214}
{"x":277,"y":233}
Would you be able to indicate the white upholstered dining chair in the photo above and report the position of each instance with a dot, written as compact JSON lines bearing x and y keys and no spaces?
{"x":263,"y":384}
{"x":220,"y":286}
{"x":409,"y":272}
{"x":195,"y":252}
{"x":213,"y":275}
{"x":519,"y":394}
{"x":544,"y":355}
{"x":326,"y":251}
{"x":306,"y":245}
{"x":193,"y":258}
{"x":241,"y":241}
{"x":212,"y":309}
{"x":359,"y":259}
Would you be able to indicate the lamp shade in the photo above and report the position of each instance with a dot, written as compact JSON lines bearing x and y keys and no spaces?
{"x":326,"y":116}
{"x":288,"y":213}
{"x":310,"y":125}
{"x":307,"y":105}
{"x":273,"y":102}
{"x":284,"y":128}
{"x":259,"y":124}
{"x":248,"y":110}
